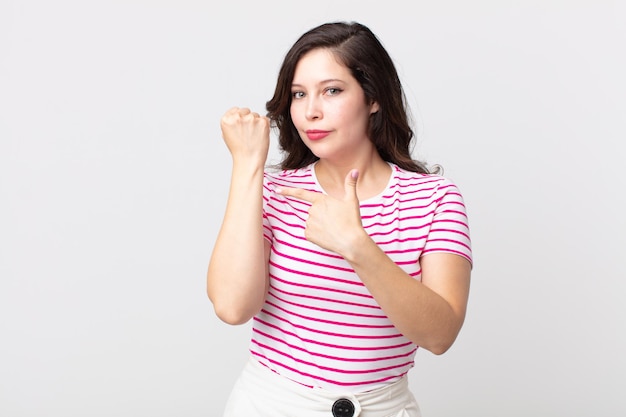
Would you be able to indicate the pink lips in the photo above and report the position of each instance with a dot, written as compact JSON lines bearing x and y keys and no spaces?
{"x":317,"y":134}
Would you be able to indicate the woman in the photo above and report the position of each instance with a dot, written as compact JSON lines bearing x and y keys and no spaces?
{"x":352,"y":254}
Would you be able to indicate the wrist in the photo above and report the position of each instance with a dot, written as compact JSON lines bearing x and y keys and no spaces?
{"x":249,"y":166}
{"x":356,"y":245}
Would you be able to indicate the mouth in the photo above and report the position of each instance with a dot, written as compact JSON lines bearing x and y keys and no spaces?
{"x":317,"y":134}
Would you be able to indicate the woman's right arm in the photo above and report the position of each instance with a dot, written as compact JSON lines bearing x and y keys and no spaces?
{"x":237,"y":277}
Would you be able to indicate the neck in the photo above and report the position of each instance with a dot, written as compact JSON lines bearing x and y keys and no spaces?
{"x":374,"y":175}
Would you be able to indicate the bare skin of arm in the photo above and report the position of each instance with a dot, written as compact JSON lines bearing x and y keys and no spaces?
{"x":237,"y":276}
{"x":430,"y":313}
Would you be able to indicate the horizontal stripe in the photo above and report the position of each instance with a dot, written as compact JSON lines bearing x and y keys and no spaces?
{"x":325,"y":310}
{"x":271,"y":325}
{"x":285,"y":355}
{"x":315,"y":319}
{"x":264,"y":360}
{"x":293,"y":324}
{"x":330,"y":357}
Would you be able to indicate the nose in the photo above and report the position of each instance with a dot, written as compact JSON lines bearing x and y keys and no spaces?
{"x":313,"y":109}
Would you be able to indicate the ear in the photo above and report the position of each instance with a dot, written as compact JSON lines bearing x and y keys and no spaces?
{"x":374,"y":107}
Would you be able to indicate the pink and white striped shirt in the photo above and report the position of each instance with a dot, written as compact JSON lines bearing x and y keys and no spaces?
{"x":319,"y":325}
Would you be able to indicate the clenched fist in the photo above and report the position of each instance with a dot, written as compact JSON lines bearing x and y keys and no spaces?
{"x":246,"y":134}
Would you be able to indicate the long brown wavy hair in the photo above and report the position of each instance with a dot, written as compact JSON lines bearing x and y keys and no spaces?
{"x":356,"y":47}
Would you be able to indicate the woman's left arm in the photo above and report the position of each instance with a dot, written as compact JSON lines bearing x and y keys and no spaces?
{"x":430,"y":313}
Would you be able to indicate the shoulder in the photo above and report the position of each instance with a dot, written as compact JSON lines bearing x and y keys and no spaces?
{"x":434,"y":185}
{"x":301,"y":177}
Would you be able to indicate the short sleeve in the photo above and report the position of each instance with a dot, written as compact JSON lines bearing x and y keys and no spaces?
{"x":449,"y":231}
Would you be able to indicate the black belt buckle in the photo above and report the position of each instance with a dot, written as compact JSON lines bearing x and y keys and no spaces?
{"x":343,"y":407}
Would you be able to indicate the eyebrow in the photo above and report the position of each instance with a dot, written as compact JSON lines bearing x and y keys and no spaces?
{"x":330,"y":80}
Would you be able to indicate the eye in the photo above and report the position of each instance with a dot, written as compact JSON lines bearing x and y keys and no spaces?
{"x":297,"y":94}
{"x":332,"y":91}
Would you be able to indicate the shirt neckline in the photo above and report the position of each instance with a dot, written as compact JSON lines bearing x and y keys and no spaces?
{"x":377,"y":197}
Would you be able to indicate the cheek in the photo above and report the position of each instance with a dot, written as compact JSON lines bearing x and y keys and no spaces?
{"x":349,"y":115}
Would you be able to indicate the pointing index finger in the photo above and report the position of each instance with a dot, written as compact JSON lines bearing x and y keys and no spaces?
{"x":302,"y":194}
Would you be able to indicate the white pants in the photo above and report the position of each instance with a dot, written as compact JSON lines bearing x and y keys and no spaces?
{"x":259,"y":392}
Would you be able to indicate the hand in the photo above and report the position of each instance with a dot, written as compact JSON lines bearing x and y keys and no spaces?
{"x":246,"y":134}
{"x":333,"y":224}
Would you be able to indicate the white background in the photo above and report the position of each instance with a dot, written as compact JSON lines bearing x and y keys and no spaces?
{"x":113,"y":179}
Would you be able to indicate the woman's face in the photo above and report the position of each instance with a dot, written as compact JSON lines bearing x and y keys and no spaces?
{"x":329,"y":108}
